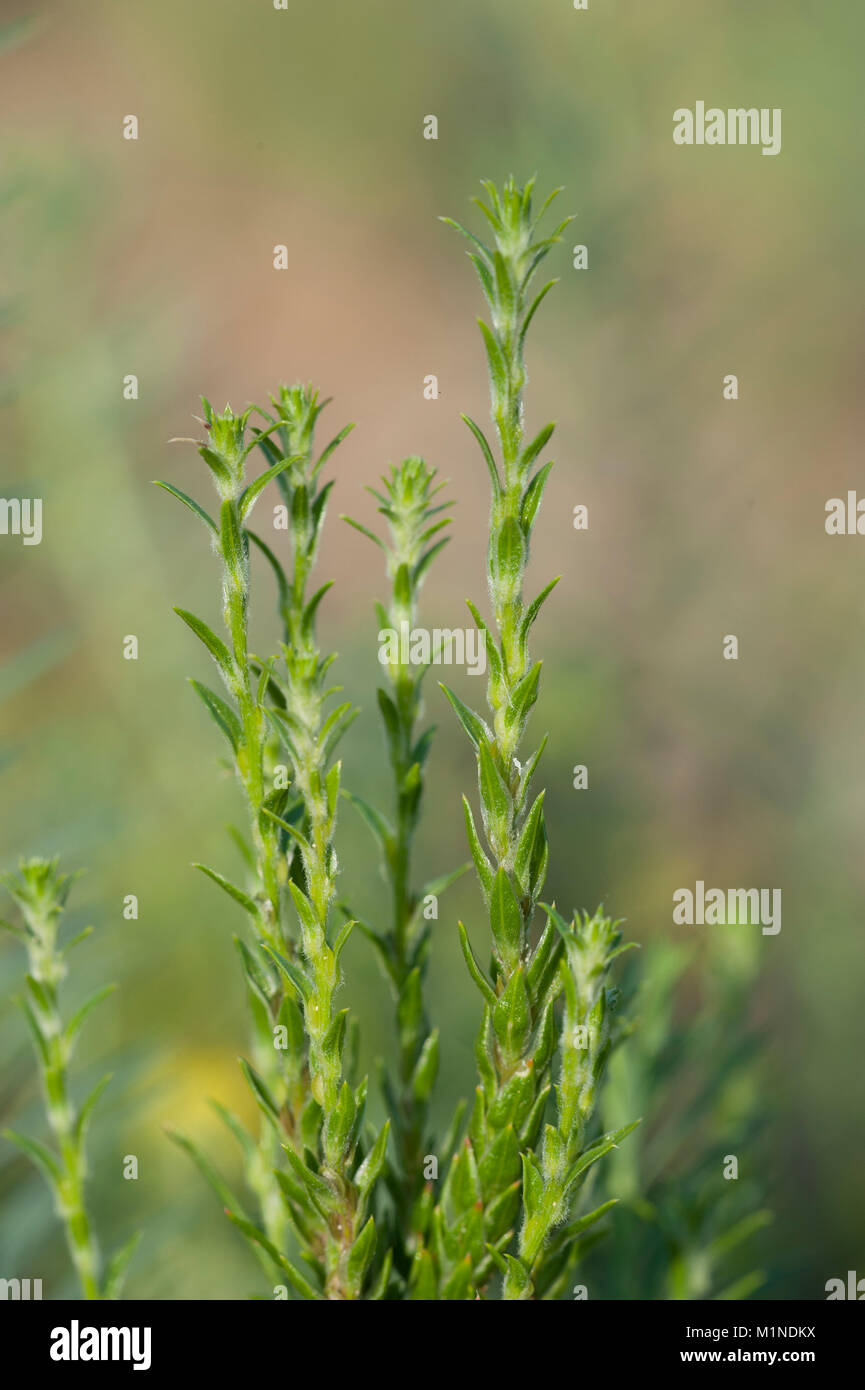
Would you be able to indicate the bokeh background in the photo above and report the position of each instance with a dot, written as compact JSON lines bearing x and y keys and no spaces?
{"x":154,"y":257}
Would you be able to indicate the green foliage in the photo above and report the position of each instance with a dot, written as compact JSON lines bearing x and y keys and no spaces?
{"x":40,"y":892}
{"x":414,"y":519}
{"x":515,"y":1167}
{"x":308,"y":1166}
{"x":683,"y":1229}
{"x":334,"y":1207}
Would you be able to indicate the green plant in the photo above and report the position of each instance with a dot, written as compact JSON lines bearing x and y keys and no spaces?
{"x":681,"y":1229}
{"x":312,"y":1169}
{"x":501,"y":1176}
{"x":414,"y":522}
{"x":40,"y":891}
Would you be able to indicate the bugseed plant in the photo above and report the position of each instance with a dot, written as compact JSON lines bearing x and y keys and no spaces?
{"x":40,"y":892}
{"x":311,"y":1168}
{"x":351,"y":1203}
{"x":515,"y":1168}
{"x":414,"y":522}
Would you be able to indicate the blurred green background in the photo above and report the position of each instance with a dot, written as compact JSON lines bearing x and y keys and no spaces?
{"x":154,"y":257}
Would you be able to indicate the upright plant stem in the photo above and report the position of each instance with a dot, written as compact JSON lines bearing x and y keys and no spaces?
{"x":311,"y":1112}
{"x":549,"y":1186}
{"x":41,"y":891}
{"x":414,"y":522}
{"x":494,"y":1175}
{"x":481,"y":1194}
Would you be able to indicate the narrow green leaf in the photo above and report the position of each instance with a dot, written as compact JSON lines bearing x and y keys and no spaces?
{"x":221,"y":713}
{"x":329,"y":448}
{"x":254,"y":974}
{"x":423,"y":1286}
{"x":294,"y":974}
{"x":475,"y":971}
{"x":423,"y":1077}
{"x":40,"y":994}
{"x":474,"y":726}
{"x":486,"y":279}
{"x":370,"y":1170}
{"x":459,"y":1287}
{"x":39,"y":1040}
{"x":295,"y":1278}
{"x":218,"y":467}
{"x":78,"y":1018}
{"x":334,"y":727}
{"x":495,"y":360}
{"x":365,"y":531}
{"x":313,"y":1184}
{"x":231,"y":536}
{"x":597,"y":1150}
{"x":379,"y":1288}
{"x":532,"y":497}
{"x":509,"y":555}
{"x":487,"y":453}
{"x":518,"y":1278}
{"x":217,"y":648}
{"x":39,"y":1154}
{"x":211,"y":1174}
{"x":291,"y":830}
{"x":482,"y":864}
{"x":533,"y":1185}
{"x":523,"y":697}
{"x":535,"y":305}
{"x":343,"y":934}
{"x":85,"y":1114}
{"x":535,"y":606}
{"x":254,"y":490}
{"x":490,"y":645}
{"x":575,"y":1228}
{"x":512,"y":1020}
{"x":498,"y":1166}
{"x":188,"y":502}
{"x":232,"y":890}
{"x":309,"y":612}
{"x":264,"y":1099}
{"x":304,"y":907}
{"x":505,"y":918}
{"x":77,"y":939}
{"x":505,"y":289}
{"x":470,"y":236}
{"x":426,"y":560}
{"x":361,"y":1255}
{"x":530,"y":849}
{"x":118,"y":1268}
{"x":233,"y":1123}
{"x":377,"y":823}
{"x":495,"y":798}
{"x":537,"y":445}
